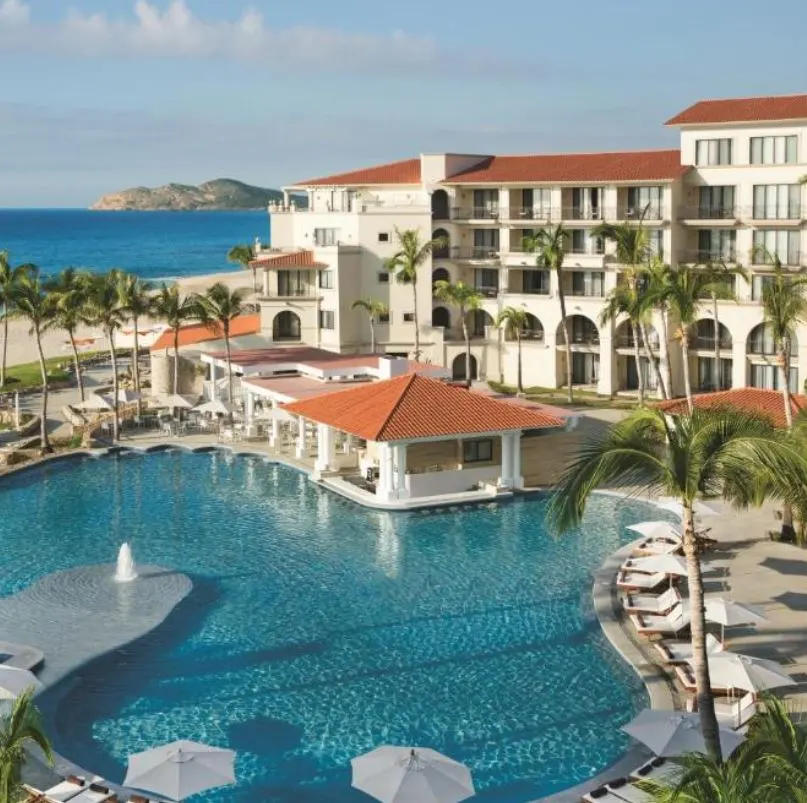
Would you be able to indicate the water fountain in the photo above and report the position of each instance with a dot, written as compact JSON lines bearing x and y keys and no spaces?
{"x":125,"y":568}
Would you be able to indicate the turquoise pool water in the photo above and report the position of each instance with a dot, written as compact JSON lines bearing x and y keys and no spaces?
{"x":317,"y":630}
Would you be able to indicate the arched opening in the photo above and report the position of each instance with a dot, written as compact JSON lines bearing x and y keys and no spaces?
{"x":458,"y":370}
{"x":705,"y":335}
{"x":761,"y":342}
{"x":478,"y":321}
{"x":623,"y":336}
{"x":441,"y":317}
{"x":582,"y":332}
{"x":764,"y":371}
{"x":585,"y":341}
{"x":443,"y":251}
{"x":286,"y":326}
{"x":440,"y":275}
{"x":440,"y":205}
{"x":533,"y":329}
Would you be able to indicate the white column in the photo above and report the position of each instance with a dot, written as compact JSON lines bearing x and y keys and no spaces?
{"x":249,"y":411}
{"x":347,"y":444}
{"x":326,"y":452}
{"x":300,"y":450}
{"x":385,"y":488}
{"x":266,"y":283}
{"x":274,"y":432}
{"x":518,"y":480}
{"x":400,"y":470}
{"x":506,"y":477}
{"x":213,"y":389}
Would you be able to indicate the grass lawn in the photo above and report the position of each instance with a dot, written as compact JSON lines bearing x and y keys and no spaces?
{"x":558,"y":396}
{"x":27,"y":375}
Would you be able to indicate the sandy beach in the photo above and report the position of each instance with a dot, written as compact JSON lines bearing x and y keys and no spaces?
{"x":22,"y":349}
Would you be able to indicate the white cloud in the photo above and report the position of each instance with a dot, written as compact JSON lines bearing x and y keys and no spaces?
{"x":173,"y":30}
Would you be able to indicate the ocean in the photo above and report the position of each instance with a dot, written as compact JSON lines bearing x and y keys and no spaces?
{"x":158,"y":246}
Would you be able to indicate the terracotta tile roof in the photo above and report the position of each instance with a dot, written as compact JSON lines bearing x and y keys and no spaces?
{"x":403,"y":172}
{"x":198,"y":333}
{"x":575,"y":167}
{"x":743,"y":110}
{"x":414,"y":406}
{"x":289,"y":259}
{"x":755,"y":400}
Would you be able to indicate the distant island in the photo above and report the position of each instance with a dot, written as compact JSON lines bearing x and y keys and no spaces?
{"x":221,"y":193}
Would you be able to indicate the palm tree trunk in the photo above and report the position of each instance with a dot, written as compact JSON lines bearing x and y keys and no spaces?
{"x":415,"y":318}
{"x":565,"y":324}
{"x":254,"y":280}
{"x":176,"y":359}
{"x":718,"y":384}
{"x":5,"y":346}
{"x":372,"y":335}
{"x":700,"y":663}
{"x":783,"y":358}
{"x":115,"y":420}
{"x":76,"y":364}
{"x":520,"y":385}
{"x":466,"y":335}
{"x":665,"y":354}
{"x":651,"y":358}
{"x":638,"y":357}
{"x":136,"y":367}
{"x":43,"y":424}
{"x":685,"y":356}
{"x":226,"y":329}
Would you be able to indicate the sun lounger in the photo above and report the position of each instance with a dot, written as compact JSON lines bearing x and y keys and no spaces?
{"x":676,"y":621}
{"x":631,"y":794}
{"x":686,"y":677}
{"x":648,"y":603}
{"x":659,"y":770}
{"x":94,"y":793}
{"x":658,"y":546}
{"x":66,"y":790}
{"x":638,"y":580}
{"x":602,"y":794}
{"x":618,"y":791}
{"x":679,"y":652}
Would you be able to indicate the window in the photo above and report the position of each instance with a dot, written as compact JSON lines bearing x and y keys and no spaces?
{"x":777,"y":202}
{"x":383,"y":236}
{"x":383,"y":277}
{"x":324,"y":237}
{"x":770,"y":243}
{"x":655,"y":242}
{"x":486,"y":205}
{"x":477,"y":451}
{"x":767,"y":377}
{"x":773,"y":150}
{"x":326,"y":279}
{"x":710,"y":152}
{"x":758,"y":286}
{"x":716,"y":245}
{"x":706,"y":374}
{"x":486,"y":280}
{"x":583,"y":243}
{"x":383,"y":317}
{"x":587,"y":203}
{"x":409,"y":317}
{"x":644,"y":201}
{"x":535,"y":281}
{"x":761,"y":340}
{"x":326,"y":319}
{"x":588,"y":283}
{"x":716,"y":203}
{"x":293,"y":282}
{"x":535,"y":203}
{"x":486,"y":243}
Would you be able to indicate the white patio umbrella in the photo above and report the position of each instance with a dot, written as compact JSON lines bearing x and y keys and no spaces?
{"x":214,"y":407}
{"x":698,"y":508}
{"x":96,"y":402}
{"x":180,"y":769}
{"x":674,"y":733}
{"x":673,"y":565}
{"x":126,"y":396}
{"x":411,"y":775}
{"x":727,"y":613}
{"x":173,"y":400}
{"x":14,"y":681}
{"x":656,"y":529}
{"x":730,"y":670}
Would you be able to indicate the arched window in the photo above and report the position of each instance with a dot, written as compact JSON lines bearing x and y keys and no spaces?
{"x":441,"y":317}
{"x":286,"y":326}
{"x":705,"y":335}
{"x":458,"y":370}
{"x":443,"y":251}
{"x":582,"y":331}
{"x":440,"y":205}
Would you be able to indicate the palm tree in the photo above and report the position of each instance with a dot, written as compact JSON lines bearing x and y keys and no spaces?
{"x":137,"y":301}
{"x":37,"y":306}
{"x":9,"y":278}
{"x":19,"y":729}
{"x":244,"y":255}
{"x":655,"y":281}
{"x":687,"y":289}
{"x":176,"y":311}
{"x":633,"y":253}
{"x":549,"y":245}
{"x":374,"y":309}
{"x":515,"y":320}
{"x":70,"y":291}
{"x":714,"y":453}
{"x":785,"y":745}
{"x":465,"y":298}
{"x":216,"y":309}
{"x":784,"y":306}
{"x":625,"y":300}
{"x":404,"y":264}
{"x":105,"y":309}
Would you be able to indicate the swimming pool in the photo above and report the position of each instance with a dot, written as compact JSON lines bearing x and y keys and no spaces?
{"x":318,"y":629}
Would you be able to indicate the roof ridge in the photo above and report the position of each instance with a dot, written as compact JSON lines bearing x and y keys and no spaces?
{"x":751,"y":97}
{"x":410,"y":379}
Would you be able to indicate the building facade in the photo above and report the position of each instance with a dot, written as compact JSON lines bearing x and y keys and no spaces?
{"x":732,"y":192}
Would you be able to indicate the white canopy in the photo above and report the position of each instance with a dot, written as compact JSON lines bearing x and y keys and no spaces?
{"x":411,"y":775}
{"x":656,"y":529}
{"x":698,"y":508}
{"x":674,"y":733}
{"x":668,"y":564}
{"x":180,"y":769}
{"x":96,"y":402}
{"x":126,"y":395}
{"x":172,"y":400}
{"x":214,"y":407}
{"x":730,"y":670}
{"x":14,"y":681}
{"x":727,"y":613}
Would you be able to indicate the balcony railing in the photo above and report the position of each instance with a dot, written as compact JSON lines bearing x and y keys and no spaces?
{"x":528,"y":213}
{"x":579,"y":213}
{"x":627,"y":342}
{"x":488,"y":291}
{"x":582,"y":339}
{"x":475,"y":213}
{"x":708,"y":213}
{"x":295,"y":292}
{"x":488,"y":252}
{"x":649,"y":211}
{"x":793,"y":212}
{"x":708,"y":343}
{"x":704,"y":257}
{"x":792,"y":259}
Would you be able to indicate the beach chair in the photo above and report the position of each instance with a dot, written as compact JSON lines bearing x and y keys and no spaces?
{"x":679,"y":652}
{"x":659,"y":769}
{"x":674,"y":622}
{"x":631,"y":580}
{"x":648,"y":603}
{"x":63,"y":791}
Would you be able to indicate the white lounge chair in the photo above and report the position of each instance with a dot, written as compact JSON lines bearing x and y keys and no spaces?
{"x":639,"y":580}
{"x":94,"y":793}
{"x":647,"y":603}
{"x":676,"y":621}
{"x":631,"y":794}
{"x":60,"y":793}
{"x":679,"y":652}
{"x":736,"y":714}
{"x":602,"y":795}
{"x":658,"y":546}
{"x":659,"y":769}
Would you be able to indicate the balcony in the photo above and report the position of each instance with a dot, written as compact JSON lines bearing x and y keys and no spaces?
{"x":518,"y":213}
{"x":626,"y":341}
{"x":475,"y":253}
{"x":489,"y":213}
{"x":595,"y":215}
{"x":793,"y":259}
{"x":705,"y":343}
{"x":792,"y":215}
{"x":729,"y":214}
{"x":703,"y":257}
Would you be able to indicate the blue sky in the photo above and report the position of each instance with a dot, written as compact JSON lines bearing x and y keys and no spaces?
{"x":100,"y":95}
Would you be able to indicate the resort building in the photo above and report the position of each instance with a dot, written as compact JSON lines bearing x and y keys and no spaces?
{"x":732,"y":192}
